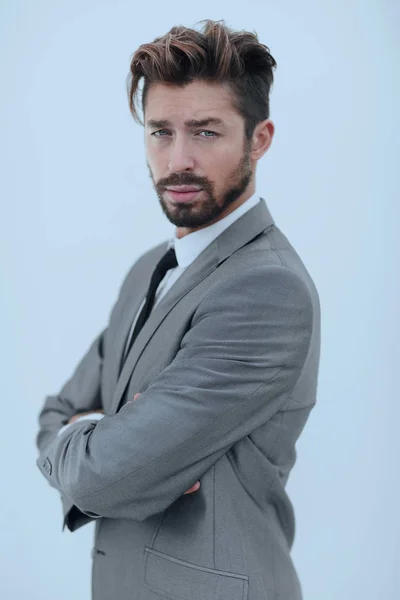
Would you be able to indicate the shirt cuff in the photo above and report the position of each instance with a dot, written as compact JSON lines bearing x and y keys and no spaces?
{"x":89,"y":417}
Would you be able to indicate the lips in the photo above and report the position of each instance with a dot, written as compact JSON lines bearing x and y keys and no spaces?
{"x":184,"y":188}
{"x":184,"y":196}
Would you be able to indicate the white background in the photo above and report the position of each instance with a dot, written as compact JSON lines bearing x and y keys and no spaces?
{"x":78,"y":208}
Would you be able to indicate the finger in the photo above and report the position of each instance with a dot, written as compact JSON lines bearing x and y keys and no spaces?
{"x":194,"y":488}
{"x":134,"y":398}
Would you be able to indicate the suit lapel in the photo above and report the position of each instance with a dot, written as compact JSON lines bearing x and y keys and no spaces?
{"x":130,"y":309}
{"x":240,"y":232}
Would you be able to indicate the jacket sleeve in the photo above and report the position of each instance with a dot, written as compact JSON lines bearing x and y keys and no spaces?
{"x":81,"y":393}
{"x":236,"y":367}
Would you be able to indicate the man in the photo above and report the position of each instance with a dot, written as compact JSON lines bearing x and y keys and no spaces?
{"x":177,"y":431}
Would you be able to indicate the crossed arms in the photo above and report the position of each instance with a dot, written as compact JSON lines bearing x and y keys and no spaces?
{"x":236,"y":367}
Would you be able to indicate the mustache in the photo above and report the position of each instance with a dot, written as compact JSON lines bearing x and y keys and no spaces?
{"x":184,"y":179}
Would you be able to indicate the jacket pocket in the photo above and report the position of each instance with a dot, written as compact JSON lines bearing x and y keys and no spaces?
{"x":181,"y":580}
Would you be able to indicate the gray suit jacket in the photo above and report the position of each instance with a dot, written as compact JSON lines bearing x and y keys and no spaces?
{"x":227,"y":368}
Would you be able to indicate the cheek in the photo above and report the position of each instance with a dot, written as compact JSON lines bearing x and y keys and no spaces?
{"x":222,"y":168}
{"x":154,"y":160}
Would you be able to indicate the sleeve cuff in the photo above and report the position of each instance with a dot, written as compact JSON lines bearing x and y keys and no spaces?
{"x":89,"y":417}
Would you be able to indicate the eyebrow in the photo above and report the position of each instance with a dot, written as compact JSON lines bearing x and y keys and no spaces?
{"x":191,"y":123}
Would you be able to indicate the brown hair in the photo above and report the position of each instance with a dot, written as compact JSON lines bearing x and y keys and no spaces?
{"x":217,"y":54}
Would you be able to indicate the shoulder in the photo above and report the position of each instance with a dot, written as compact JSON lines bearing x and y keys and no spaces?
{"x":254,"y":285}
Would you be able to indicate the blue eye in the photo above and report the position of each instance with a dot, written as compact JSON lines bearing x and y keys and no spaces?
{"x":208,"y":131}
{"x":158,"y":132}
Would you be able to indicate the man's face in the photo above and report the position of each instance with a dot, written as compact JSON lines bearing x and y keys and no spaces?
{"x":212,"y":157}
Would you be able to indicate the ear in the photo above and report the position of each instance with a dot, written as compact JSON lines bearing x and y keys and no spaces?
{"x":262,"y":138}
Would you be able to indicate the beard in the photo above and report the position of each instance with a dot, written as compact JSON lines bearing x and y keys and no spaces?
{"x":204,"y":211}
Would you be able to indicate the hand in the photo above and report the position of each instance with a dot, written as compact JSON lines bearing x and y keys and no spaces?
{"x":89,"y":412}
{"x":196,"y":485}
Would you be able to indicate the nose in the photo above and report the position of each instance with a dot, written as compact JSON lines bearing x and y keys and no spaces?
{"x":180,"y":158}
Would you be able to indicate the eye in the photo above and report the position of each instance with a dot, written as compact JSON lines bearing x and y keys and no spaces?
{"x":214,"y":134}
{"x":159,"y":131}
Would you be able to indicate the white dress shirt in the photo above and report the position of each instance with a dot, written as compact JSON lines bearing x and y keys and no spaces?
{"x":187,"y":249}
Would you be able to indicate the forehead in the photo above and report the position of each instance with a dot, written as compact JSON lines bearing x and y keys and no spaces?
{"x":195,"y":100}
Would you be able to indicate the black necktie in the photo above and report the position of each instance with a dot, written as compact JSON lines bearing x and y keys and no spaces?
{"x":168,"y":261}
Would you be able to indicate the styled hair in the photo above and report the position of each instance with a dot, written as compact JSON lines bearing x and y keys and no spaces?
{"x":216,"y":54}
